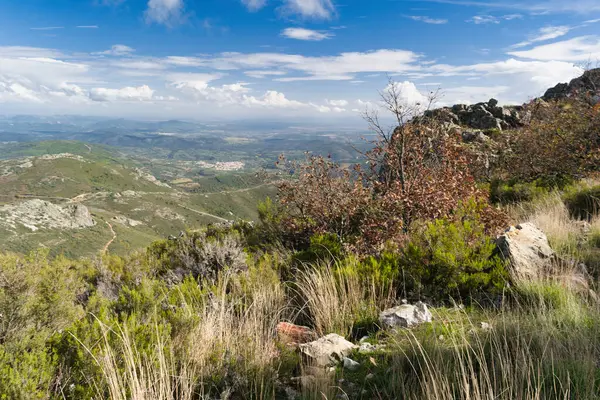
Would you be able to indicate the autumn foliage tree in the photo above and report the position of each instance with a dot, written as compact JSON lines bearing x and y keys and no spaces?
{"x":417,"y":171}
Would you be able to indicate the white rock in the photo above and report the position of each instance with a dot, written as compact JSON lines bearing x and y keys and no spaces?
{"x":350,"y":364}
{"x":328,"y":350}
{"x":405,"y":316}
{"x":527,"y":249}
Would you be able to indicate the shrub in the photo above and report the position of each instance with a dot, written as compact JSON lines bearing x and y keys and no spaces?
{"x":323,"y":247}
{"x":452,"y":258}
{"x":199,"y":255}
{"x":417,"y":172}
{"x":583,"y":202}
{"x":515,"y":192}
{"x":560,"y":145}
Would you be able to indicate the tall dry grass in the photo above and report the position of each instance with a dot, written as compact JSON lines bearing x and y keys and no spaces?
{"x":545,"y":344}
{"x":534,"y":351}
{"x":232,"y":348}
{"x":336,"y":298}
{"x":550,"y":214}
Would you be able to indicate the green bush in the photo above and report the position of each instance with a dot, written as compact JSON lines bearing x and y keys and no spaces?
{"x":515,"y":192}
{"x":583,"y":202}
{"x":451,"y":258}
{"x":323,"y":247}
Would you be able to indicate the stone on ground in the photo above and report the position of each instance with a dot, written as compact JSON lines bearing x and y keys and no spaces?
{"x":328,"y":350}
{"x":405,"y":316}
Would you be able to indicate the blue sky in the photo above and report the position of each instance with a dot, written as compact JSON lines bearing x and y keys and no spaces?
{"x":296,"y":59}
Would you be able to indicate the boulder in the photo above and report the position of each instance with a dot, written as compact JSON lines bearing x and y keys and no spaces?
{"x":405,"y":316}
{"x":527,"y":249}
{"x":328,"y":350}
{"x":483,"y":119}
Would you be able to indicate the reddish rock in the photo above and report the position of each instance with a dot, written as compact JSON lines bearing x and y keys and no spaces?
{"x":291,"y":333}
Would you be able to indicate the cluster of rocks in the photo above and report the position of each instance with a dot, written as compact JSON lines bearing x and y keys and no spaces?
{"x":486,"y":116}
{"x":587,"y":86}
{"x":333,"y":349}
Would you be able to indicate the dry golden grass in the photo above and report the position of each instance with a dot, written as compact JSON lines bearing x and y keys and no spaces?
{"x":233,"y":335}
{"x":336,"y":299}
{"x":544,"y":345}
{"x":550,"y":214}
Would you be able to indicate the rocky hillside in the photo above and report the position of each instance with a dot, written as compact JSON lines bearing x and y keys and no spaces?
{"x":492,"y":116}
{"x":587,"y":85}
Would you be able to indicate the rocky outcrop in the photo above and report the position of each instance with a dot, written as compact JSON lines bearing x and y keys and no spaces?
{"x":328,"y":350}
{"x":527,"y":250}
{"x":40,"y":214}
{"x":586,"y":86}
{"x":484,"y":116}
{"x":405,"y":316}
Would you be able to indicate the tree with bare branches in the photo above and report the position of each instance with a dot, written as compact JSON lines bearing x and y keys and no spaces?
{"x":417,"y":171}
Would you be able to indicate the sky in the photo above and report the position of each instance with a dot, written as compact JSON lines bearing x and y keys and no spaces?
{"x":302,"y":60}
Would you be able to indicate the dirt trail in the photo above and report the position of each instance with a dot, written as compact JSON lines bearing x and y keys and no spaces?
{"x":205,"y":214}
{"x":241,"y":190}
{"x":105,"y":249}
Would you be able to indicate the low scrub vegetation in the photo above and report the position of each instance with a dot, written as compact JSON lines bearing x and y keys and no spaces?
{"x":197,"y":316}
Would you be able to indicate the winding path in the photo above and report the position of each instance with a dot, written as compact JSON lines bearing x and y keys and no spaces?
{"x":204,"y":213}
{"x":105,"y":249}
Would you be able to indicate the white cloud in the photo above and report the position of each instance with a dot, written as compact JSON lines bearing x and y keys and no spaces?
{"x":337,"y":103}
{"x":27,"y":52}
{"x":409,"y":94}
{"x":510,"y":17}
{"x":165,"y":12}
{"x":197,"y":86}
{"x":139,"y":64}
{"x":428,"y":20}
{"x":87,"y":26}
{"x":305,"y":34}
{"x":141,"y":93}
{"x":322,"y":77}
{"x":338,"y":67}
{"x":579,"y":49}
{"x":318,"y":9}
{"x":484,"y":19}
{"x":254,"y":5}
{"x":259,"y":74}
{"x":47,"y":28}
{"x":490,"y":19}
{"x":117,"y":50}
{"x":544,"y":34}
{"x":525,"y":79}
{"x":271,"y":99}
{"x":185,"y":61}
{"x":533,"y":6}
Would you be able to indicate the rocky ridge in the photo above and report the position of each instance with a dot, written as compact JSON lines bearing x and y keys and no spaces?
{"x":475,"y":122}
{"x":40,"y":214}
{"x":587,"y":85}
{"x":486,"y":115}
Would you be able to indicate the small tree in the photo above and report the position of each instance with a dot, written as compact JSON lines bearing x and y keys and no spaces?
{"x":418,"y":171}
